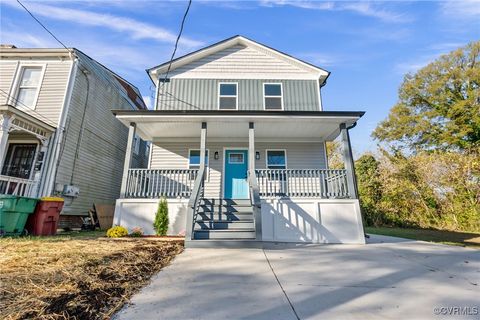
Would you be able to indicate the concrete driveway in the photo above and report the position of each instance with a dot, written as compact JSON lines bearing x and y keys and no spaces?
{"x":389,"y":278}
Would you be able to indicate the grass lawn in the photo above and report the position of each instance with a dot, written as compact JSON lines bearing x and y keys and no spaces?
{"x":440,"y":236}
{"x":76,"y":275}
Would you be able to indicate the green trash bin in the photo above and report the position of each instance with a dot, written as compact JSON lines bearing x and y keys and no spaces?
{"x":14,"y":212}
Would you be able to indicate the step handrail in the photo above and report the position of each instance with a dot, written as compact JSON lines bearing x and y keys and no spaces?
{"x":256,"y":203}
{"x":194,"y":202}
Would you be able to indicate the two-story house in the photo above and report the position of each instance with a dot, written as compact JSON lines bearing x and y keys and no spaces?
{"x":238,"y":148}
{"x":57,"y":133}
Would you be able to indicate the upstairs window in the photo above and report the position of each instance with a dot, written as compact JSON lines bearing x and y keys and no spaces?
{"x":276,"y":159}
{"x":272,"y":93}
{"x":227,"y":96}
{"x":28,"y":86}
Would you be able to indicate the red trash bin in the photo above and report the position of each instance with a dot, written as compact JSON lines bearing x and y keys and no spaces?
{"x":44,"y":221}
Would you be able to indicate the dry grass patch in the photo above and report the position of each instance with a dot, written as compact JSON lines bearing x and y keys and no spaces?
{"x":69,"y":278}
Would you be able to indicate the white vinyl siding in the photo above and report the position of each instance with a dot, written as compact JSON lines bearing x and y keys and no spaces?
{"x":243,"y":62}
{"x":52,"y":89}
{"x":101,"y":152}
{"x":7,"y":74}
{"x":174,"y":155}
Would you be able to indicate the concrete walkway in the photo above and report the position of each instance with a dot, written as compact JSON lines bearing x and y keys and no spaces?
{"x":389,"y":278}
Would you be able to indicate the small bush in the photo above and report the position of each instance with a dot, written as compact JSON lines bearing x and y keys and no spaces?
{"x":136,"y":232}
{"x":117,"y":232}
{"x":161,"y":218}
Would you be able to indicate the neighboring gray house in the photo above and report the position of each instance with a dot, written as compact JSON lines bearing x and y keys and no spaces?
{"x":57,"y":133}
{"x":238,"y":147}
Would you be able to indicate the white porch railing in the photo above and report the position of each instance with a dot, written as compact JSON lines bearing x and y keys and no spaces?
{"x":154,"y":183}
{"x":17,"y":186}
{"x":303,"y":183}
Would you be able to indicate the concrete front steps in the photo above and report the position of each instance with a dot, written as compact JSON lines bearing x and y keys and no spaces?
{"x":224,"y":220}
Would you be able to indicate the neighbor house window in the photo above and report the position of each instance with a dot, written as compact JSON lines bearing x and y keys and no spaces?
{"x":272,"y":94}
{"x":29,"y":86}
{"x":147,"y":149}
{"x":227,"y":96}
{"x":136,"y":144}
{"x":276,"y":159}
{"x":194,"y":159}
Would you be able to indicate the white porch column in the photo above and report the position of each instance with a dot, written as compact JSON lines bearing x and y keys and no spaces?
{"x":128,"y":158}
{"x":203,"y":144}
{"x":251,"y":147}
{"x":5,"y":121}
{"x":348,"y":161}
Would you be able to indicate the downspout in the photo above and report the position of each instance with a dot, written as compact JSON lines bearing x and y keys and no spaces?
{"x":60,"y":132}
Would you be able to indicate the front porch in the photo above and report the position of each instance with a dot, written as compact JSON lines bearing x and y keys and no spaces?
{"x":286,"y":201}
{"x":24,"y":142}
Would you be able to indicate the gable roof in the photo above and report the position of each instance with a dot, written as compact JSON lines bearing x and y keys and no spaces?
{"x":237,"y":40}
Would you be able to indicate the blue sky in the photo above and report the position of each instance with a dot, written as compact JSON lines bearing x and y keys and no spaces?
{"x":368,"y":46}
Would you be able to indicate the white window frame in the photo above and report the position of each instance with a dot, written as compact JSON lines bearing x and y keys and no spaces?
{"x":227,"y":96}
{"x":18,"y":77}
{"x":265,"y":96}
{"x":266,"y":158}
{"x":241,"y":153}
{"x":198,"y":166}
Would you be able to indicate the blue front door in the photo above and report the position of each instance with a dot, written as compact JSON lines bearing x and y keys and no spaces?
{"x":236,"y":164}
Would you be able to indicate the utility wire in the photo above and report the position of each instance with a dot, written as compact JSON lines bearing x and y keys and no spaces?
{"x":43,"y":26}
{"x":175,"y":47}
{"x":178,"y":39}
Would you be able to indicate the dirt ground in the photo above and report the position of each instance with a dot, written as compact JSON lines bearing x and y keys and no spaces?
{"x":76,"y":277}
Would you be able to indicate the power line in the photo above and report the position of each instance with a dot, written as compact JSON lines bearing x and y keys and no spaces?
{"x":43,"y":26}
{"x":176,"y":46}
{"x":178,"y":39}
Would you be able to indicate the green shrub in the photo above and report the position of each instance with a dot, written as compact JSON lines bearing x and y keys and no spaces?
{"x":161,"y":218}
{"x":117,"y":232}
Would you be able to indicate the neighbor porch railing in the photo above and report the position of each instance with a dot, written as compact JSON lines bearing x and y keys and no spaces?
{"x":323,"y":183}
{"x":17,"y":186}
{"x":155,"y":183}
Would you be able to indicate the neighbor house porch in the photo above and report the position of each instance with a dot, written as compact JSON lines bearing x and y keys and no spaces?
{"x":265,"y":168}
{"x":24,"y":142}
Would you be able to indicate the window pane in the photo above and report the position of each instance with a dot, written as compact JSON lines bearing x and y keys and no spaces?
{"x":228,"y":89}
{"x":26,"y":97}
{"x":235,"y":158}
{"x":194,"y":158}
{"x":31,"y":77}
{"x":276,"y":159}
{"x":228,"y":103}
{"x":273,"y":103}
{"x":273,"y":90}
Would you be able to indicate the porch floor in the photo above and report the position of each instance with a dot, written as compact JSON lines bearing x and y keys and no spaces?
{"x":390,"y":278}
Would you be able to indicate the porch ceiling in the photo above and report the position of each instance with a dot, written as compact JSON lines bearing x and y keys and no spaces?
{"x":320,"y":125}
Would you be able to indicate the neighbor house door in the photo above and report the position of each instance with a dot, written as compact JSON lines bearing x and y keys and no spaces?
{"x":236,"y":164}
{"x":19,"y":160}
